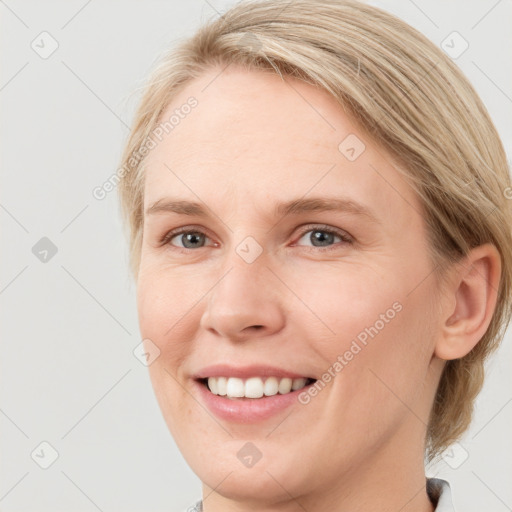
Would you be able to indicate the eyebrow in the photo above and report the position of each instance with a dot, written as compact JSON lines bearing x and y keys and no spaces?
{"x":293,"y":207}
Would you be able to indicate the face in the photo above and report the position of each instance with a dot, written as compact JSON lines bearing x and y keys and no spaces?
{"x":305,"y":256}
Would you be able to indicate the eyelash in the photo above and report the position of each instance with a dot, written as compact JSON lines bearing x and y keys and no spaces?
{"x":166,"y":239}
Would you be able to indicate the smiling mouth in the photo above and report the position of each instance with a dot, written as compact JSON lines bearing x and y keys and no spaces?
{"x":254,"y":387}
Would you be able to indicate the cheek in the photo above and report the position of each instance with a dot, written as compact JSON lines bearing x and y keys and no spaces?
{"x":366,"y":326}
{"x":163,"y":320}
{"x":347,"y":301}
{"x":166,"y":314}
{"x":165,"y":300}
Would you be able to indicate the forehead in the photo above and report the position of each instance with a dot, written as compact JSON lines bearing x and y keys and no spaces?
{"x":258,"y":138}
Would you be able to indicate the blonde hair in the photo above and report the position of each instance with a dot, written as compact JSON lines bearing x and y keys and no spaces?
{"x":408,"y":96}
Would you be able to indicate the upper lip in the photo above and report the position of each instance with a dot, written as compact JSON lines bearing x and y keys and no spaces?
{"x":244,"y":372}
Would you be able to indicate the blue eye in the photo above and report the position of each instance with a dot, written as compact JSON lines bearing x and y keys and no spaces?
{"x":189,"y":239}
{"x":321,"y":237}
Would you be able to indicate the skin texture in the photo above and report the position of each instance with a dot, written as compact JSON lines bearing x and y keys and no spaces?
{"x":254,"y":141}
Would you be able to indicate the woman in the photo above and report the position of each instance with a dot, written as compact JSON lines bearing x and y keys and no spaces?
{"x":320,"y":233}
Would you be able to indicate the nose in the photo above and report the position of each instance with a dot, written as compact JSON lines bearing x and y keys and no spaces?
{"x":245,"y":303}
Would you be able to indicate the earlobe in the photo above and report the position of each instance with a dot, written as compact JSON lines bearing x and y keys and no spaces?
{"x":474,"y":292}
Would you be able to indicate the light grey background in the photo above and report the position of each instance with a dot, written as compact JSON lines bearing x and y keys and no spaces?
{"x":69,"y":325}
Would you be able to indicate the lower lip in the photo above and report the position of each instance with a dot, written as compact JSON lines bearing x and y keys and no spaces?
{"x":247,"y":410}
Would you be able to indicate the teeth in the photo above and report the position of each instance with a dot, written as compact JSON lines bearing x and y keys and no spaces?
{"x":271,"y":386}
{"x":221,"y":386}
{"x":298,"y":383}
{"x":235,"y":388}
{"x":254,"y":387}
{"x":285,"y":386}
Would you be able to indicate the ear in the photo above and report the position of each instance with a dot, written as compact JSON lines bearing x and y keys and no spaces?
{"x":473,"y":293}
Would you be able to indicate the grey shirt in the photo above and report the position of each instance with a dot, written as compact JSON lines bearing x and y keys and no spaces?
{"x":438,"y":491}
